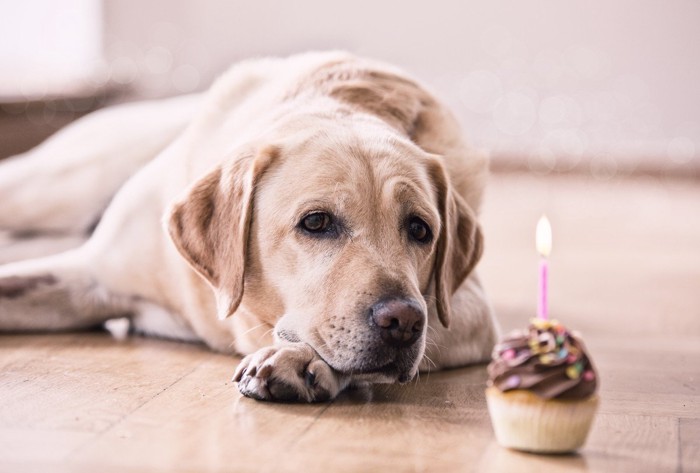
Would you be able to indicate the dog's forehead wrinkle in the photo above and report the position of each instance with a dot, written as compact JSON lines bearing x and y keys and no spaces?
{"x":354,"y":182}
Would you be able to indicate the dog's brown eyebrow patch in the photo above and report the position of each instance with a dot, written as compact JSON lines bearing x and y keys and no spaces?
{"x":12,"y":287}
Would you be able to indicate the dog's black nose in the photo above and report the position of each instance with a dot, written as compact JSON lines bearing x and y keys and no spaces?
{"x":400,"y":321}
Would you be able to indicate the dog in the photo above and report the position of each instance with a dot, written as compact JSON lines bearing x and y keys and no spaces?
{"x":316,"y":214}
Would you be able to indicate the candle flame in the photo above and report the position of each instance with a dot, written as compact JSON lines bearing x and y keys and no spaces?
{"x":543,"y":236}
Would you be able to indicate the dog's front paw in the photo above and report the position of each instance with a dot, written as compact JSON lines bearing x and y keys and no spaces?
{"x":289,"y":373}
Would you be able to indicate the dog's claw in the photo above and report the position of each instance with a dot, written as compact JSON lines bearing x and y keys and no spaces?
{"x":241,"y":370}
{"x":264,"y":371}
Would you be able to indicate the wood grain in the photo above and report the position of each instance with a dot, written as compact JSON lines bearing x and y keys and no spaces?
{"x":86,"y":402}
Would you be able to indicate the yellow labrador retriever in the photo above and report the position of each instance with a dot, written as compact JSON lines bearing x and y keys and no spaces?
{"x":324,"y":206}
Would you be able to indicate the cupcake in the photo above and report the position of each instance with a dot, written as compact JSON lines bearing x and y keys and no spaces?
{"x":541,"y":391}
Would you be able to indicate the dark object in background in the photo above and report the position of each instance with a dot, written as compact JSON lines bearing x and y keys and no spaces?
{"x":25,"y":124}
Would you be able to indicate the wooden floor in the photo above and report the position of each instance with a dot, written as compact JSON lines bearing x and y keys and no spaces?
{"x":625,"y":271}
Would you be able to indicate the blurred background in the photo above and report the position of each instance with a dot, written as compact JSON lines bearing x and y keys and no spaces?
{"x":591,"y":114}
{"x":545,"y":86}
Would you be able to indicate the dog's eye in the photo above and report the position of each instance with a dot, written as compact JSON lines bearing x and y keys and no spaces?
{"x":317,"y":222}
{"x":419,"y":231}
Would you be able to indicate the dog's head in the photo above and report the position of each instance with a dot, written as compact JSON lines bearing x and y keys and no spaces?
{"x":344,"y":239}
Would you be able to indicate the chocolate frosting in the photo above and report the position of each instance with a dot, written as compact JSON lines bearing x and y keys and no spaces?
{"x":546,"y":359}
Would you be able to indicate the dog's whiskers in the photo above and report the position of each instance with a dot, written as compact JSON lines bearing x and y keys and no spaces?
{"x":433,"y":343}
{"x":432,"y":328}
{"x":252,"y":328}
{"x":430,"y":361}
{"x":266,"y":333}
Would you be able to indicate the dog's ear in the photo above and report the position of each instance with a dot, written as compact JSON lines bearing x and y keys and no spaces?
{"x":210,"y":226}
{"x":460,"y":243}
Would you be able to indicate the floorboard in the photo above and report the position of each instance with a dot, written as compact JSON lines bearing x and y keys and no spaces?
{"x":625,"y":272}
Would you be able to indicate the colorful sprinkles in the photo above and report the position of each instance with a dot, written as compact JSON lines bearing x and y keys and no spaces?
{"x":551,"y":343}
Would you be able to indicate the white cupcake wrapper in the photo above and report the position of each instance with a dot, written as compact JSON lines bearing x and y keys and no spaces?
{"x":523,"y":421}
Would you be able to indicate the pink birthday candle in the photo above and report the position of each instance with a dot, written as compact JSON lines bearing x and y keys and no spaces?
{"x":542,"y":308}
{"x":543,"y":241}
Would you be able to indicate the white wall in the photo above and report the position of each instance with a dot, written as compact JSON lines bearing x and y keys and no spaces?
{"x":606,"y":86}
{"x":48,"y":47}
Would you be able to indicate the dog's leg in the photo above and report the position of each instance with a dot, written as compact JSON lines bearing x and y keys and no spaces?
{"x":472,"y":334}
{"x":290,"y":373}
{"x":15,"y":248}
{"x":58,"y":292}
{"x":63,"y":185}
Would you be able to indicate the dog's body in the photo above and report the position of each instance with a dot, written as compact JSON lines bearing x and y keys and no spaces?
{"x":327,"y":203}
